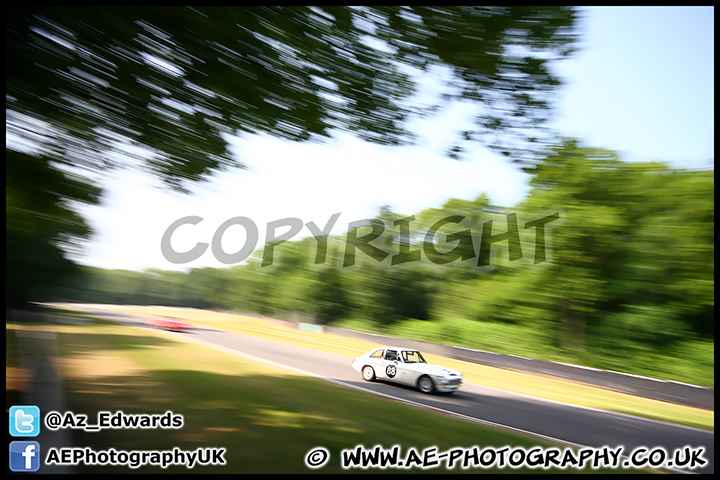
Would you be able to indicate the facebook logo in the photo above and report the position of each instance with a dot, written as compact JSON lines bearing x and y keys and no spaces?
{"x":24,"y":456}
{"x":24,"y":421}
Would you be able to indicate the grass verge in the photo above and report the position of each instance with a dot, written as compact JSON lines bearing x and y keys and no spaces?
{"x":547,"y":387}
{"x":266,"y":418}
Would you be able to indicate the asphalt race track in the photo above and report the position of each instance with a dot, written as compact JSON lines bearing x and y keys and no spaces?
{"x":566,"y":423}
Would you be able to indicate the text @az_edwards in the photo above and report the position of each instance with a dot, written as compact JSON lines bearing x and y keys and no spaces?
{"x":107,"y":420}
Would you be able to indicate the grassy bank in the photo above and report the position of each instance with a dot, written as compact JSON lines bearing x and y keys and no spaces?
{"x":689,"y":362}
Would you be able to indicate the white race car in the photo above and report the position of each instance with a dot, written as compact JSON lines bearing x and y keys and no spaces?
{"x":408,"y":367}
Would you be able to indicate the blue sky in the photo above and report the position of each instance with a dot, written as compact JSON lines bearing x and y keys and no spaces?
{"x":642,"y":84}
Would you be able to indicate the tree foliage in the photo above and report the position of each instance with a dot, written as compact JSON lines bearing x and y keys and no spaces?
{"x":172,"y":82}
{"x":163,"y":88}
{"x":41,"y":225}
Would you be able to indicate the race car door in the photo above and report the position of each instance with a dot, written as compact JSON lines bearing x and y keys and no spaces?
{"x":391,"y":366}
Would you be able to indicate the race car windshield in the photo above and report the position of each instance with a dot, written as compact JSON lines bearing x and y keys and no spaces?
{"x":413,"y":357}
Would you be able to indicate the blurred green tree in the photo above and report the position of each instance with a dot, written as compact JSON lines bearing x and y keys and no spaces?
{"x":164,"y":87}
{"x":327,"y":296}
{"x":171,"y":82}
{"x":41,"y":225}
{"x":633,"y":257}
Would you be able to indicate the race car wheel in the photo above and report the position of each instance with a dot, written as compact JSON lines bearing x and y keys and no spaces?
{"x":368,"y":373}
{"x":425,"y":384}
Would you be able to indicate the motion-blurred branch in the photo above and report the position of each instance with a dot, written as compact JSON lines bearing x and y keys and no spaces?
{"x":174,"y":81}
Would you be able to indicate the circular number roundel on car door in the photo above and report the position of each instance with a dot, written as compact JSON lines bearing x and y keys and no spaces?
{"x":391,"y":371}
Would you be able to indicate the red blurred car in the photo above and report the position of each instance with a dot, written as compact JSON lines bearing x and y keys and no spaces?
{"x":168,"y":324}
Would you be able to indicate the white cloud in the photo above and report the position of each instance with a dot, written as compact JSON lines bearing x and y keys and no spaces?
{"x":307,"y":181}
